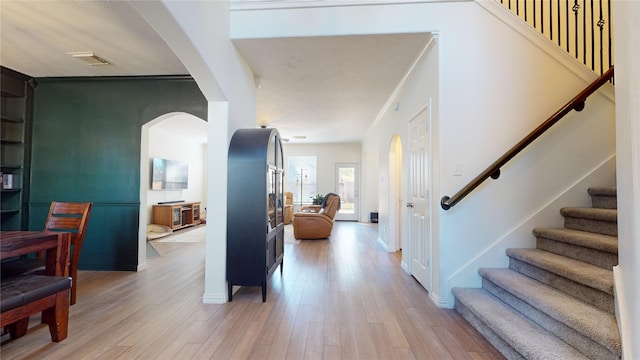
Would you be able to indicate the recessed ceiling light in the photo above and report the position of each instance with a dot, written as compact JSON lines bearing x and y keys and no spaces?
{"x":89,"y":57}
{"x":299,"y":137}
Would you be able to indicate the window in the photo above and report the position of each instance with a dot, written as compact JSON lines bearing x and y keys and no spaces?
{"x":301,"y":178}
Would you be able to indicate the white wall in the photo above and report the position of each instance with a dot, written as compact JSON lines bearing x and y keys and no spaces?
{"x":627,"y":75}
{"x":370,"y":180}
{"x":198,"y":33}
{"x":420,"y":91}
{"x":327,"y":157}
{"x":493,"y":86}
{"x":167,"y":145}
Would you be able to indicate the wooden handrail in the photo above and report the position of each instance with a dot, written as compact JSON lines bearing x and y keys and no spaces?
{"x":493,"y":171}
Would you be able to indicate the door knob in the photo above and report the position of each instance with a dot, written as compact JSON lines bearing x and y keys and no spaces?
{"x":409,"y":205}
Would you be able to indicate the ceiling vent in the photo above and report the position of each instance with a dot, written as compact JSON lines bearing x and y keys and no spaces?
{"x":90,"y":58}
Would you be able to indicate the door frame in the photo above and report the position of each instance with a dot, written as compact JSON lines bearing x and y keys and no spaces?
{"x":356,"y":195}
{"x":407,"y":255}
{"x":395,"y":195}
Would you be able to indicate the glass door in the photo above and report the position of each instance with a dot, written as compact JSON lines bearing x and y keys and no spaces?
{"x":196,"y":212}
{"x":347,"y":186}
{"x":177,"y":215}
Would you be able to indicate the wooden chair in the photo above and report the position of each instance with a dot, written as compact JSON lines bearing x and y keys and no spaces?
{"x":70,"y":217}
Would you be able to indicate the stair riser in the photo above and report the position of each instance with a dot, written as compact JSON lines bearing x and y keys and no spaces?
{"x":591,"y":256}
{"x":502,"y":346}
{"x":569,"y":335}
{"x":604,"y":202}
{"x":603,"y":197}
{"x":592,"y":296}
{"x":591,"y":225}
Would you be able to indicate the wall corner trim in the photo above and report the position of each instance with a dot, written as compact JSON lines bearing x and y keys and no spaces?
{"x":621,"y":311}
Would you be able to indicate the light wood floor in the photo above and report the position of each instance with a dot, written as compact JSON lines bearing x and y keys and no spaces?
{"x":344,"y":298}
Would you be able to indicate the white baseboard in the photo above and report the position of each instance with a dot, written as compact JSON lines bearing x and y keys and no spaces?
{"x":383,"y":244}
{"x":214,"y":298}
{"x":404,"y":266}
{"x":441,"y":303}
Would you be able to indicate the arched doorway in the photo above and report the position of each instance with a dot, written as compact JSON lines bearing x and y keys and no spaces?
{"x":175,"y":136}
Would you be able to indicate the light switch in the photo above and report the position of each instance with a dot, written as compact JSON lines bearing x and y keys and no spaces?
{"x":457,"y":169}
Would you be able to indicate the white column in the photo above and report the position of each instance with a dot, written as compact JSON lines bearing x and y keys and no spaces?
{"x":216,"y":259}
{"x":627,"y":83}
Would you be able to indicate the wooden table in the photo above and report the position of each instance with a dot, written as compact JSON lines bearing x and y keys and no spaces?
{"x":54,"y":244}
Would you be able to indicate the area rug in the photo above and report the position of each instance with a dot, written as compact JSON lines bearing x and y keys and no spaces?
{"x":288,"y":235}
{"x":198,"y":234}
{"x":194,"y":234}
{"x":152,"y":252}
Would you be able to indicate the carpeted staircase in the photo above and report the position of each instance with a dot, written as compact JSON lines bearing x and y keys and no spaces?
{"x":554,"y":301}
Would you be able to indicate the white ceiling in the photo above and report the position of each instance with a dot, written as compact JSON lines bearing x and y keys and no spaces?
{"x":36,"y":36}
{"x":329,"y":89}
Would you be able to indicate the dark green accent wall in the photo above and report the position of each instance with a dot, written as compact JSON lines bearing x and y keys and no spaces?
{"x":86,"y":147}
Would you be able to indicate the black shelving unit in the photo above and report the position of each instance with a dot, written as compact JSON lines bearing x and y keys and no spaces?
{"x":16,"y":112}
{"x":255,"y":208}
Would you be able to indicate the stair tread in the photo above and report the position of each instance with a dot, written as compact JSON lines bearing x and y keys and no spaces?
{"x":588,"y":320}
{"x":587,"y":239}
{"x":578,"y":271}
{"x":592,"y":213}
{"x":526,"y":337}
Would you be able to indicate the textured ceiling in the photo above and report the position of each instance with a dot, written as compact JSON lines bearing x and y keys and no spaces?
{"x":328,"y":89}
{"x":37,"y":35}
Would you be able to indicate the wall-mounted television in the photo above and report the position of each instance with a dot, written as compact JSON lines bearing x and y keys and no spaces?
{"x":169,"y":174}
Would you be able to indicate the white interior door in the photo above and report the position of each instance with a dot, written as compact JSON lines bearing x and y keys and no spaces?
{"x":347,"y":180}
{"x":418,"y":204}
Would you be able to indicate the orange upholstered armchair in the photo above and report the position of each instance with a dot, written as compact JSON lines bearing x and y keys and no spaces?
{"x":317,"y":225}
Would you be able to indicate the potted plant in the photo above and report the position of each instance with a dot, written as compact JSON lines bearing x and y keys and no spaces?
{"x":317,"y":200}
